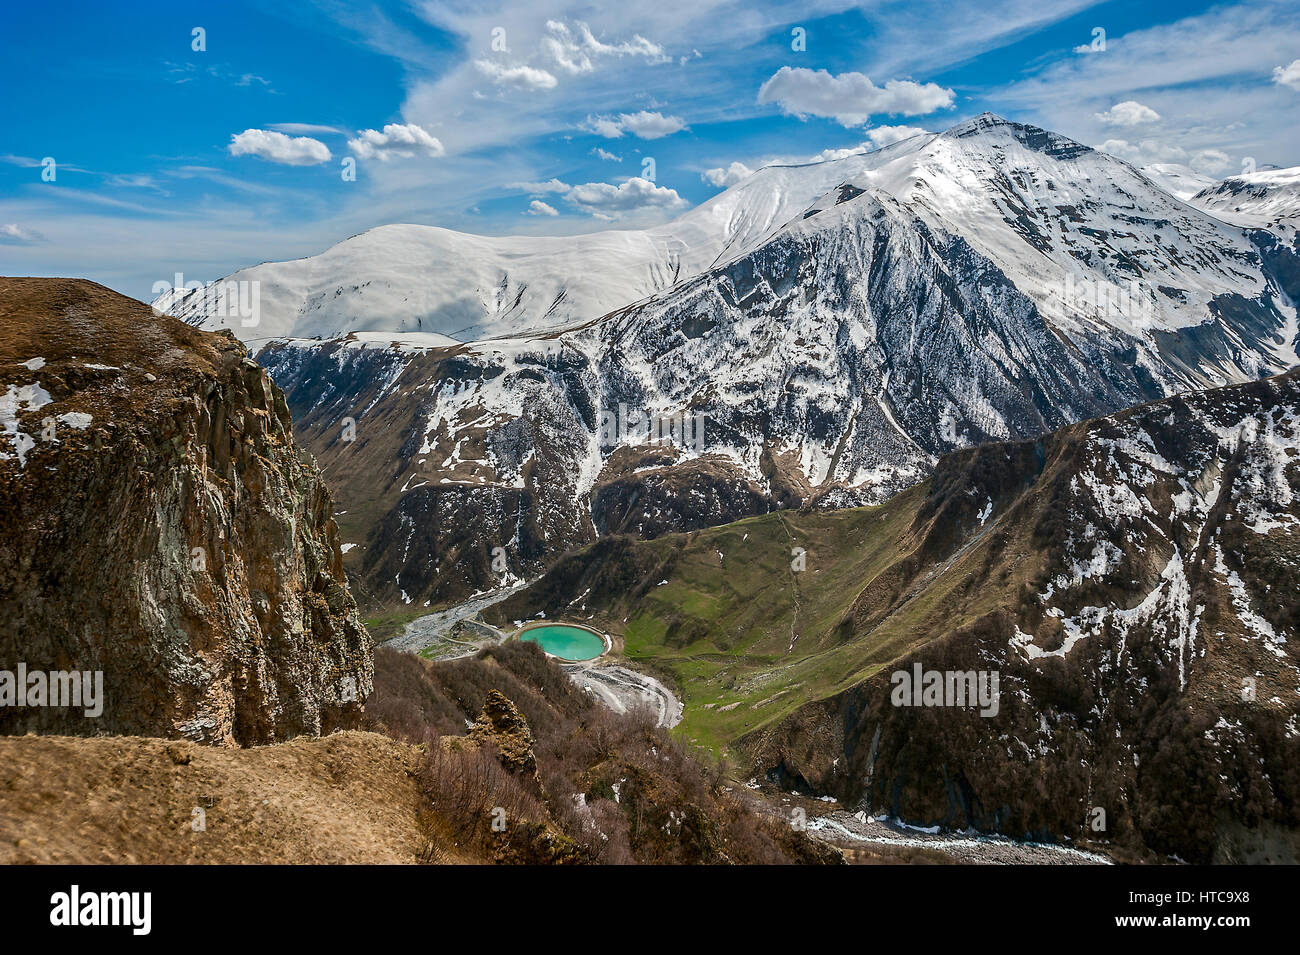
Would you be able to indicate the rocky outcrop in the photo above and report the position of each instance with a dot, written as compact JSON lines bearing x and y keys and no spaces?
{"x":159,"y":527}
{"x":502,"y":726}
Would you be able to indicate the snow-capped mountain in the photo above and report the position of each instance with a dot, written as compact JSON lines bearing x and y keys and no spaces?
{"x":409,"y":281}
{"x":840,"y":326}
{"x":1178,"y":180}
{"x":415,"y":280}
{"x":1259,"y":199}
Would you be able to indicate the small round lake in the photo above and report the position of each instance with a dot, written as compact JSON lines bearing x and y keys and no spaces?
{"x":567,"y":643}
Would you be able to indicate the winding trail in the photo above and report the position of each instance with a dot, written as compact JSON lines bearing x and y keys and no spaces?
{"x":433,"y":628}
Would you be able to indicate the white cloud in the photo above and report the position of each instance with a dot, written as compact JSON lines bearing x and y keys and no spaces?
{"x":643,"y":125}
{"x":12,"y":232}
{"x":277,"y":147}
{"x":541,"y":188}
{"x":1146,"y":152}
{"x":518,"y":77}
{"x":605,"y":200}
{"x":600,"y":199}
{"x":1210,"y":161}
{"x":888,"y":135}
{"x":877,"y":138}
{"x":1128,"y":113}
{"x":573,"y":50}
{"x":1288,"y":75}
{"x":603,"y":126}
{"x":843,"y":152}
{"x":305,"y":129}
{"x":849,"y":98}
{"x":397,"y":141}
{"x":607,"y":156}
{"x":727,"y":177}
{"x":1150,"y":151}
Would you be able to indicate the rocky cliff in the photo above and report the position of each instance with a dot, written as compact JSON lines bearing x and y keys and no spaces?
{"x":160,"y":532}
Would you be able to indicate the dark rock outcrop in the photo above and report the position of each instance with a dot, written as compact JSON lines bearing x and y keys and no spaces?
{"x":158,"y":526}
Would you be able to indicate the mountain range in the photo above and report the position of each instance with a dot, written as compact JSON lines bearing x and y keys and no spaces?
{"x":819,"y":335}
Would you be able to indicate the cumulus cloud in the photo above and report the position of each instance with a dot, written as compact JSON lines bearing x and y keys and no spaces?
{"x":1145,"y":152}
{"x":12,"y":233}
{"x":277,"y":147}
{"x":1128,"y":113}
{"x":397,"y":141}
{"x":1288,"y":75}
{"x":726,"y":177}
{"x":849,"y":98}
{"x":517,"y":77}
{"x":877,"y":138}
{"x":607,"y":156}
{"x":888,"y":135}
{"x":1210,"y":161}
{"x":600,"y":199}
{"x":607,"y":201}
{"x":643,"y":125}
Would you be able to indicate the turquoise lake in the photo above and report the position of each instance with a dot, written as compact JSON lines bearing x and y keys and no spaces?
{"x":567,"y":643}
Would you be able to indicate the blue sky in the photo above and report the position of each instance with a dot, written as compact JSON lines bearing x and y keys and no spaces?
{"x":531,"y":116}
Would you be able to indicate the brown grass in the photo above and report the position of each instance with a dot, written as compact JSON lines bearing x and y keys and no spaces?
{"x":346,"y":798}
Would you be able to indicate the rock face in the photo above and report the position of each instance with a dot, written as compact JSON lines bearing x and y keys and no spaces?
{"x":158,"y":525}
{"x":502,"y":725}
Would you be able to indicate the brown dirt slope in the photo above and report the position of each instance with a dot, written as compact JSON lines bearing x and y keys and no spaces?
{"x":345,"y":798}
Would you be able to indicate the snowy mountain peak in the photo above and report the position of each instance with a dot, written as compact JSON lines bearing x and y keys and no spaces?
{"x":992,"y":126}
{"x":1052,"y":215}
{"x":1257,"y":199}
